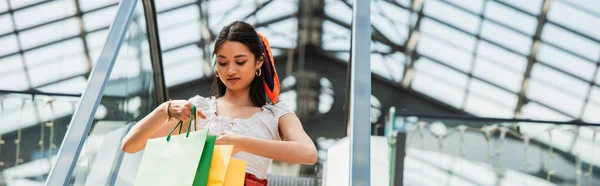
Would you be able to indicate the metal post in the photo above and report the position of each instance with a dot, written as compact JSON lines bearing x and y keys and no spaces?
{"x":360,"y":95}
{"x":400,"y":154}
{"x":160,"y":89}
{"x":390,"y":134}
{"x":397,"y":143}
{"x":84,"y":115}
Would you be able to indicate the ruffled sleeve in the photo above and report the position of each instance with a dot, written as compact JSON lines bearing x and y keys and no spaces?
{"x":207,"y":106}
{"x":280,"y":109}
{"x":277,"y":110}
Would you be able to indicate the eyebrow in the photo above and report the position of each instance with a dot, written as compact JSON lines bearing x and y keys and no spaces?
{"x":237,"y":56}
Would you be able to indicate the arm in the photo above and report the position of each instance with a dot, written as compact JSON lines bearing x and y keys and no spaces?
{"x":155,"y":125}
{"x":297,"y":146}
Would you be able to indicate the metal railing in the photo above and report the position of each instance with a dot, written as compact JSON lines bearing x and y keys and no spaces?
{"x":83,"y":117}
{"x":291,"y":180}
{"x":492,"y":151}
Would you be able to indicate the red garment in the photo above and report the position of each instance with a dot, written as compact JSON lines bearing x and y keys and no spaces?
{"x":252,"y":180}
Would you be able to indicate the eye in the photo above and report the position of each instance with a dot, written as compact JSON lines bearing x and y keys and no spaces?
{"x":222,"y":64}
{"x":241,"y":63}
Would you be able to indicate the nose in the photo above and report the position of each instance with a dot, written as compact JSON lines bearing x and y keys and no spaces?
{"x":231,"y":70}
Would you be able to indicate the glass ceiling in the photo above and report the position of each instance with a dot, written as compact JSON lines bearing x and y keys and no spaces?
{"x":188,"y":29}
{"x":473,"y":54}
{"x":470,"y":54}
{"x":73,"y":45}
{"x":51,"y":51}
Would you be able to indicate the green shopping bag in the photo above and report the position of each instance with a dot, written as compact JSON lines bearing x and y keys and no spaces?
{"x":174,"y":159}
{"x":205,"y":161}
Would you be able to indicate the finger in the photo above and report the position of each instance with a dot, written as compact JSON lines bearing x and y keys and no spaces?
{"x":200,"y":114}
{"x":185,"y":114}
{"x":219,"y":139}
{"x":189,"y":105}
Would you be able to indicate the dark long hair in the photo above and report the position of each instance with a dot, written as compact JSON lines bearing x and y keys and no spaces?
{"x":246,"y":34}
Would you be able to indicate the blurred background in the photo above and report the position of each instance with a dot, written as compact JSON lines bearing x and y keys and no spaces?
{"x":464,"y":92}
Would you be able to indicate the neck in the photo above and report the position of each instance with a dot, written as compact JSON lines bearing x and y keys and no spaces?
{"x":239,"y":98}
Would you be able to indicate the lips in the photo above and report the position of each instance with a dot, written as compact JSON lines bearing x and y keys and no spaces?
{"x":233,"y":80}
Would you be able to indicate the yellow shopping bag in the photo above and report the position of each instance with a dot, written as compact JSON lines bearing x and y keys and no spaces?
{"x":236,"y":173}
{"x":224,"y":170}
{"x":219,"y":165}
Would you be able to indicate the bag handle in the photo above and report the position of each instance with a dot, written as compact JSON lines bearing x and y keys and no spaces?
{"x":180,"y":124}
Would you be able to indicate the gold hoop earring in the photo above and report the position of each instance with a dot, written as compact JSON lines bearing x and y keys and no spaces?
{"x":258,"y":72}
{"x":216,"y":74}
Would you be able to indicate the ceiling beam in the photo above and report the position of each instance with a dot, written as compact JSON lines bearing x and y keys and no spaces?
{"x":79,"y":13}
{"x":531,"y":59}
{"x":474,"y":55}
{"x":22,"y":51}
{"x":310,"y":28}
{"x":10,"y":10}
{"x":411,"y":43}
{"x":83,"y":35}
{"x":258,"y":8}
{"x":275,"y":20}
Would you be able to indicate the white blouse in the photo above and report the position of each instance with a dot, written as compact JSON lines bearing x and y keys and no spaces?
{"x":262,"y":125}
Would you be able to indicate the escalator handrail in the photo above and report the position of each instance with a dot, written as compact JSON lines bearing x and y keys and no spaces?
{"x":84,"y":115}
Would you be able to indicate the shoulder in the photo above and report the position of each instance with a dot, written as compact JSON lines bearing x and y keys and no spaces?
{"x":199,"y":100}
{"x":205,"y":104}
{"x":279,"y":109}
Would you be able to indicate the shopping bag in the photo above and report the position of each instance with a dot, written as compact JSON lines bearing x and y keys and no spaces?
{"x":205,"y":161}
{"x":224,"y":170}
{"x":236,"y":173}
{"x":219,"y":164}
{"x":174,"y":159}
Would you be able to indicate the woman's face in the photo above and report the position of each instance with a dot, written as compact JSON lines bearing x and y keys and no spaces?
{"x":236,"y":65}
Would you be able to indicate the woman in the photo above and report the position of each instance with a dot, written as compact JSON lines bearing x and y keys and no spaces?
{"x":260,"y":130}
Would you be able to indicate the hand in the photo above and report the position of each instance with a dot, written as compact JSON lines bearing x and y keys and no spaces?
{"x":181,"y":110}
{"x":230,"y":138}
